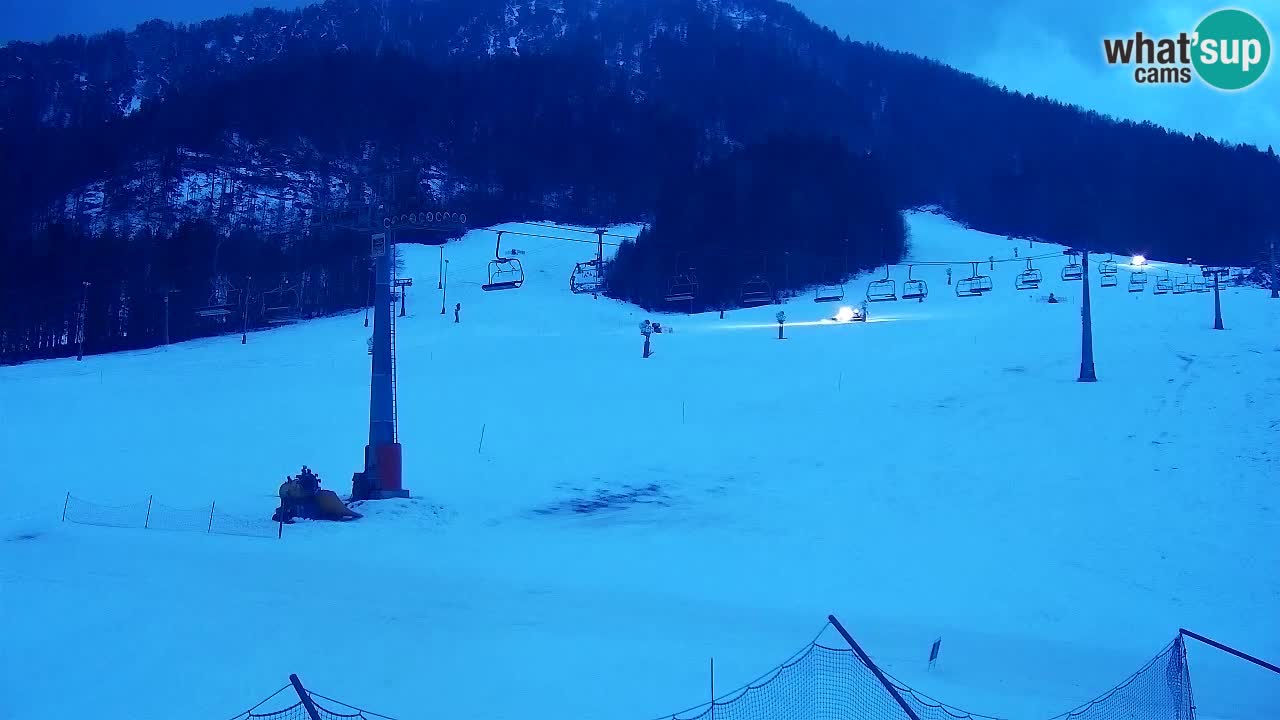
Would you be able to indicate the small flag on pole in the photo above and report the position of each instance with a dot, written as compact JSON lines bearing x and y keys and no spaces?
{"x":933,"y":652}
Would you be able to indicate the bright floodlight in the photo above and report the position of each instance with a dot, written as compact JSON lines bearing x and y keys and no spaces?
{"x":1139,"y":260}
{"x":845,"y":314}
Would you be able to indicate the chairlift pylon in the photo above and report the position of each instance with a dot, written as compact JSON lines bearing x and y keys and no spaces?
{"x":882,"y":290}
{"x":1029,"y":279}
{"x":914,"y":289}
{"x":505,"y":273}
{"x":974,"y":285}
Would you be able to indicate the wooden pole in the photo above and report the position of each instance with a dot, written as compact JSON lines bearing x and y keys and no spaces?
{"x":872,"y":666}
{"x":1230,"y":650}
{"x":147,"y":523}
{"x":304,"y":697}
{"x":65,"y":503}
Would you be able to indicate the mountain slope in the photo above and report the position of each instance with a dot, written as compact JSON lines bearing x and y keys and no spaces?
{"x":589,"y":527}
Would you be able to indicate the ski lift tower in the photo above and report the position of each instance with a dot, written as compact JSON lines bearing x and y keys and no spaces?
{"x":382,"y":474}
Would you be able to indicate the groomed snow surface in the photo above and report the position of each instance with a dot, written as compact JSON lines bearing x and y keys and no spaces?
{"x":936,"y":472}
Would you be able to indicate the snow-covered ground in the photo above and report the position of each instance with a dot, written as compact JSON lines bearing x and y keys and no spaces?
{"x":936,"y":472}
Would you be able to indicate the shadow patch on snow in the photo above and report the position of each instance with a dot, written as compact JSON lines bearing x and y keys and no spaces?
{"x":608,"y":501}
{"x":22,"y":536}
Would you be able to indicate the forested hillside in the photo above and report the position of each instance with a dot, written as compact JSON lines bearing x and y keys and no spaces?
{"x":132,"y":144}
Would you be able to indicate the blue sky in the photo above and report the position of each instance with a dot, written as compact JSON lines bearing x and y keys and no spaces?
{"x":1047,"y":47}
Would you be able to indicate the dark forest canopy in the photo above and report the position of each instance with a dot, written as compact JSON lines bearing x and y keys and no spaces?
{"x":424,"y":84}
{"x":791,"y":211}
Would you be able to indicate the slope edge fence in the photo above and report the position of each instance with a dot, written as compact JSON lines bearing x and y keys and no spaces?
{"x":151,"y":515}
{"x":839,"y":681}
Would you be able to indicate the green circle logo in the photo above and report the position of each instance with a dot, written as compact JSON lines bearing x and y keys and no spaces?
{"x":1232,"y":49}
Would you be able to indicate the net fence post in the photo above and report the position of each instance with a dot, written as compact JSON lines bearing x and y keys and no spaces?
{"x":713,"y":688}
{"x":873,"y":668}
{"x":1186,"y":676}
{"x":147,"y":523}
{"x":212,"y":505}
{"x":65,"y":503}
{"x":306,"y":699}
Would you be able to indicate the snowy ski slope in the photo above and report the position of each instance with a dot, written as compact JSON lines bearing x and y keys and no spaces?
{"x":934,"y":472}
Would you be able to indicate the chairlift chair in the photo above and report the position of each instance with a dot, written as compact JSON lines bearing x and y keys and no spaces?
{"x":1108,"y":266}
{"x":1137,"y":282}
{"x":829,"y":293}
{"x":1199,"y":284}
{"x":221,"y":303}
{"x":281,"y":305}
{"x":1164,"y":285}
{"x":212,"y":313}
{"x":505,"y":273}
{"x":1073,"y":270}
{"x":914,"y":289}
{"x":683,"y":287}
{"x":683,"y":284}
{"x":587,"y":277}
{"x":882,"y":290}
{"x":1182,"y":285}
{"x":755,"y":292}
{"x":1108,"y":272}
{"x":974,"y":285}
{"x":1029,"y":279}
{"x":834,"y":292}
{"x":214,"y":310}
